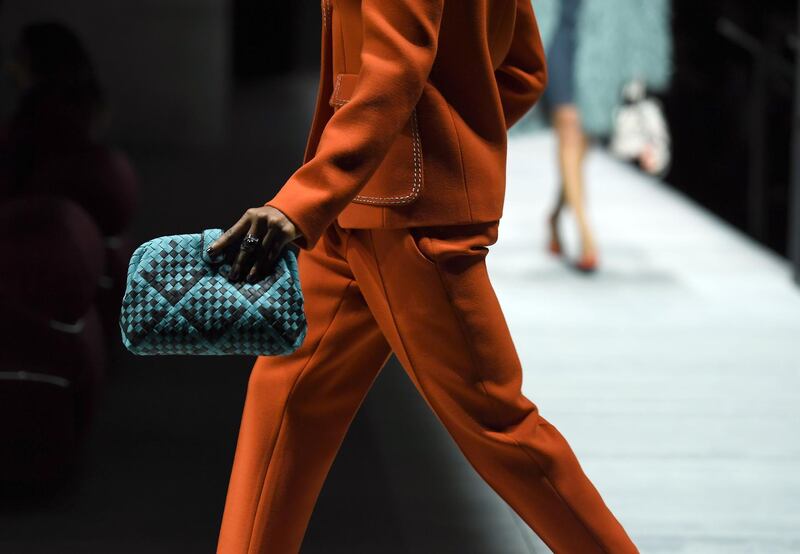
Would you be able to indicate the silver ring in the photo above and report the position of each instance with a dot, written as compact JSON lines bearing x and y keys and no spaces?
{"x":250,"y":244}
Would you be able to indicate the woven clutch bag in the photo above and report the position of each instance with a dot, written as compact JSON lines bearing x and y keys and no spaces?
{"x":179,"y":301}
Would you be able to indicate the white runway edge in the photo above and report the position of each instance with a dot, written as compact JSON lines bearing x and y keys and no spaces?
{"x":674,"y":372}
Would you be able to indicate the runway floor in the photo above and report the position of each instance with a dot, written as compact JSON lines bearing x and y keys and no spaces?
{"x":674,"y":372}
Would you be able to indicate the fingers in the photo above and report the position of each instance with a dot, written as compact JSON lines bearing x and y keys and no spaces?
{"x":230,"y":236}
{"x":275,"y":249}
{"x":245,"y":258}
{"x":272,"y":246}
{"x":261,"y":265}
{"x":253,"y":263}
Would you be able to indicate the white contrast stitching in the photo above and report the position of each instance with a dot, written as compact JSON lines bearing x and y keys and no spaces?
{"x":326,"y":7}
{"x":416,"y":140}
{"x":337,"y":89}
{"x":416,"y":186}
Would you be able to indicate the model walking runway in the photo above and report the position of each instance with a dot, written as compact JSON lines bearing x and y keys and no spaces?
{"x":395,"y":207}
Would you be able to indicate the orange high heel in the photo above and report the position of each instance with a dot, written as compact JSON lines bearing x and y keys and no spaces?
{"x":554,"y":247}
{"x":588,"y":263}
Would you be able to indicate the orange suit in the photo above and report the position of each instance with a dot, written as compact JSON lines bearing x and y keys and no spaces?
{"x":398,"y":201}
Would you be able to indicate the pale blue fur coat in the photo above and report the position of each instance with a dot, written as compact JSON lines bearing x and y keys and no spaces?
{"x":618,"y":40}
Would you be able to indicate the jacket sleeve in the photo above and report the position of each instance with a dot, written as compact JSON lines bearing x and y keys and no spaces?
{"x":398,"y":50}
{"x":522,"y":76}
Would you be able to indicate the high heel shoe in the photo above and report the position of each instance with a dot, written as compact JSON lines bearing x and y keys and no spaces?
{"x":554,"y":246}
{"x":587,"y":263}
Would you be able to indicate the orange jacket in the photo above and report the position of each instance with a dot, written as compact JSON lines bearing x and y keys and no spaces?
{"x":415,"y":100}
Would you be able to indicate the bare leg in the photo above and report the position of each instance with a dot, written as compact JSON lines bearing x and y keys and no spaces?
{"x":572,"y":145}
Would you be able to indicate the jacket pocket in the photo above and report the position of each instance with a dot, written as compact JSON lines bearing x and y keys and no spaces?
{"x":399,"y":178}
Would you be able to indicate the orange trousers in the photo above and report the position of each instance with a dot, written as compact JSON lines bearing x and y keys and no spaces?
{"x":425,"y":295}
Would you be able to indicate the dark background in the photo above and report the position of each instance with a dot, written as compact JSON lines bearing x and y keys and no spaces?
{"x":211,"y":101}
{"x":731,"y":120}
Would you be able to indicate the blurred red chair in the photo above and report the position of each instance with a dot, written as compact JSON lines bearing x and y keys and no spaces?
{"x":103,"y":182}
{"x":52,"y":356}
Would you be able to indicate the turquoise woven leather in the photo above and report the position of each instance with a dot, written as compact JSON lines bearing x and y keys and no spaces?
{"x":179,"y":301}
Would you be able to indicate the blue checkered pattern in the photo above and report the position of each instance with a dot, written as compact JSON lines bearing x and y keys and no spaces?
{"x":179,"y":301}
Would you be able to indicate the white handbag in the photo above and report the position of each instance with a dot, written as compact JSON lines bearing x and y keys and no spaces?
{"x":640,"y":131}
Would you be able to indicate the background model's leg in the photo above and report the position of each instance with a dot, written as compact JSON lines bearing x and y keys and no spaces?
{"x":572,"y":144}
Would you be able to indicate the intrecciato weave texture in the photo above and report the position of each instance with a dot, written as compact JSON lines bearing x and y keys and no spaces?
{"x":179,"y":301}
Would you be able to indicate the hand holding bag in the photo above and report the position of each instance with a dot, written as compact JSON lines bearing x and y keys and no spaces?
{"x":178,"y":300}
